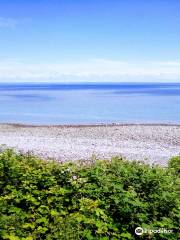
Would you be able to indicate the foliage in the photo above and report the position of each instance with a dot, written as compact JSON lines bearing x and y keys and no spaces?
{"x":98,"y":200}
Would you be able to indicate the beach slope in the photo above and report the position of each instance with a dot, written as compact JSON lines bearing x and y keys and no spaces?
{"x":150,"y":143}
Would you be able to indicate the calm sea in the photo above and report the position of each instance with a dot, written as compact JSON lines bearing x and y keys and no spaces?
{"x":89,"y":103}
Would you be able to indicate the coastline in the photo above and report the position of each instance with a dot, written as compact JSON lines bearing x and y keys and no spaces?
{"x":152,"y":143}
{"x":89,"y":124}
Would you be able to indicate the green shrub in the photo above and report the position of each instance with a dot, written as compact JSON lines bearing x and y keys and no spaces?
{"x":99,"y":200}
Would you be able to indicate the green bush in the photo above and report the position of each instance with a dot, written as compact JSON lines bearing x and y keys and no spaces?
{"x":96,"y":200}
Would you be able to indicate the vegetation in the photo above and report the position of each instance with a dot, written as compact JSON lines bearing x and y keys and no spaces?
{"x":99,"y":200}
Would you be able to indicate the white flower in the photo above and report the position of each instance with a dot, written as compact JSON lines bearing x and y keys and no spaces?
{"x":74,"y":177}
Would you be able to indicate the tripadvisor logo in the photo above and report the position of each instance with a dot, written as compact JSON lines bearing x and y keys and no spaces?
{"x":139,"y":231}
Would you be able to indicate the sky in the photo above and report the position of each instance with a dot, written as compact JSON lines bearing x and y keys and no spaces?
{"x":89,"y":40}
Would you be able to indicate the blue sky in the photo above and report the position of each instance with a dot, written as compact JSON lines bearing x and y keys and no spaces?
{"x":89,"y":40}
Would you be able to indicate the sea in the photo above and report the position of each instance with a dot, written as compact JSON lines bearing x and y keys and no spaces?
{"x":89,"y":103}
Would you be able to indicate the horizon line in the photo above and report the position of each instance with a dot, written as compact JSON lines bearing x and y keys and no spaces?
{"x":94,"y":82}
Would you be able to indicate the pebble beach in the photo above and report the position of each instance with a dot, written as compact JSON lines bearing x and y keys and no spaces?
{"x":148,"y":143}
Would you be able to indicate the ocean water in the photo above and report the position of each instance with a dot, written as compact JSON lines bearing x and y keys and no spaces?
{"x":89,"y":103}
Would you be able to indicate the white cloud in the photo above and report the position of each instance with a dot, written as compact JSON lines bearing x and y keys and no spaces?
{"x":95,"y":69}
{"x":167,"y":63}
{"x":8,"y":22}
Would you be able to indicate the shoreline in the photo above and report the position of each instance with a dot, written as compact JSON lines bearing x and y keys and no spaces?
{"x":90,"y":124}
{"x":152,"y":143}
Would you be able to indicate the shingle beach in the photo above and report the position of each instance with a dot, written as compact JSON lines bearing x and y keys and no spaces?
{"x":150,"y":143}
